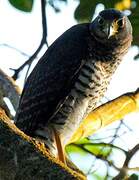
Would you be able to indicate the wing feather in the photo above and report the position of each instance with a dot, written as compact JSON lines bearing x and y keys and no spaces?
{"x":52,"y":78}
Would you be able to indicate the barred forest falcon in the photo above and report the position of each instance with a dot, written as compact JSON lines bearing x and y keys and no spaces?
{"x":72,"y":76}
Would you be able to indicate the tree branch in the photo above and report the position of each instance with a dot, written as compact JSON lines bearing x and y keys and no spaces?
{"x":24,"y":158}
{"x":44,"y":22}
{"x":129,"y":154}
{"x":106,"y":114}
{"x":16,"y":49}
{"x":42,"y":43}
{"x":8,"y":89}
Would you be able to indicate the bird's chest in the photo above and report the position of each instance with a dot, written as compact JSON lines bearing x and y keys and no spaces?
{"x":93,"y":79}
{"x":88,"y":88}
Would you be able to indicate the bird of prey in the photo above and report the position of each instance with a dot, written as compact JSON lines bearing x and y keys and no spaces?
{"x":71,"y":77}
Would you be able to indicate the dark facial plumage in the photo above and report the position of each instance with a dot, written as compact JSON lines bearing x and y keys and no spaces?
{"x":110,"y":24}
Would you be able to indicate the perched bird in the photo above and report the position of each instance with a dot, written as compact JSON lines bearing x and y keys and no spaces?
{"x":72,"y":76}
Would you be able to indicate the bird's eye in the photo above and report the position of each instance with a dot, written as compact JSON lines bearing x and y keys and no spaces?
{"x":120,"y":23}
{"x":101,"y":21}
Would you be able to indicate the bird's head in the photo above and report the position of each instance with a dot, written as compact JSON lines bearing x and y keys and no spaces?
{"x":110,"y":24}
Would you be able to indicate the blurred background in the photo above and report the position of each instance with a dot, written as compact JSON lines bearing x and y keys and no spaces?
{"x":28,"y":27}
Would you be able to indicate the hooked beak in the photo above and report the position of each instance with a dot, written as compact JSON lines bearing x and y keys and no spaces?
{"x":109,"y":30}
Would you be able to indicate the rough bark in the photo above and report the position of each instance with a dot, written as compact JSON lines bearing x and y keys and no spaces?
{"x":8,"y":89}
{"x":24,"y":158}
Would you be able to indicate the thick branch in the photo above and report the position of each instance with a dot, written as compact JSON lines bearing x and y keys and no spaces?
{"x":24,"y":158}
{"x":9,"y":89}
{"x":106,"y":114}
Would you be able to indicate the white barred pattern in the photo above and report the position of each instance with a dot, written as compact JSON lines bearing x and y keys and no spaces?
{"x":88,"y":89}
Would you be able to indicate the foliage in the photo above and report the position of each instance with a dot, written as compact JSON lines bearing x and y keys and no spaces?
{"x":133,"y":177}
{"x":23,"y":5}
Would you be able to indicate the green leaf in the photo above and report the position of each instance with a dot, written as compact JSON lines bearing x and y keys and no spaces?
{"x":96,"y":176}
{"x":133,"y":177}
{"x":134,"y":17}
{"x":99,"y":149}
{"x":83,"y":141}
{"x":23,"y":5}
{"x":72,"y":148}
{"x":85,"y":10}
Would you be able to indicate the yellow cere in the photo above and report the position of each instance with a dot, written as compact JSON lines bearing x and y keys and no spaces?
{"x":115,"y":27}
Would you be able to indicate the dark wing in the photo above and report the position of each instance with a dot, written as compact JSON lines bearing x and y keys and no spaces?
{"x":52,"y":78}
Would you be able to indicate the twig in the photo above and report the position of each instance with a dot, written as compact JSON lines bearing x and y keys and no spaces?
{"x":133,"y":169}
{"x":43,"y":42}
{"x":130,"y":154}
{"x":110,"y":163}
{"x":104,"y":145}
{"x":124,"y":169}
{"x":44,"y":23}
{"x":16,"y":49}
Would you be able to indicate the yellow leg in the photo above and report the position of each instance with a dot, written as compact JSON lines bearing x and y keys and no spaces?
{"x":60,"y":149}
{"x":61,"y":153}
